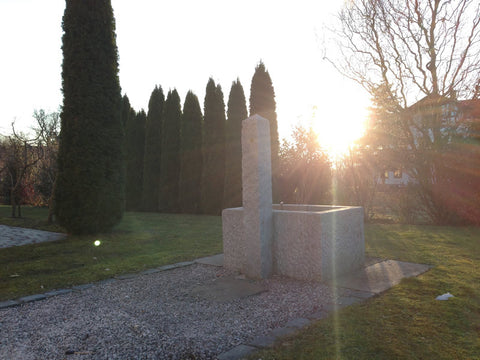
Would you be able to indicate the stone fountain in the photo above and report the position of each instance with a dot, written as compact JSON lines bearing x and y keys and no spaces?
{"x":305,"y":242}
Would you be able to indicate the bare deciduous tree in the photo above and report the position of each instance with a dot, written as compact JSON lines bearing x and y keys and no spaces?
{"x":24,"y":158}
{"x":416,"y":58}
{"x":414,"y":47}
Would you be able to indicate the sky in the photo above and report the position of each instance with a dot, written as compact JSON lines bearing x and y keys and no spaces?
{"x":180,"y":44}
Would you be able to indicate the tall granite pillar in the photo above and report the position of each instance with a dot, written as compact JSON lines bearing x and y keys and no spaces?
{"x":257,"y":197}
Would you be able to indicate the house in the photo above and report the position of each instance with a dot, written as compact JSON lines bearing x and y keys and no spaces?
{"x":433,"y":122}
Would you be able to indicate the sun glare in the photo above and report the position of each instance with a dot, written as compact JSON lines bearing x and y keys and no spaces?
{"x":337,"y":132}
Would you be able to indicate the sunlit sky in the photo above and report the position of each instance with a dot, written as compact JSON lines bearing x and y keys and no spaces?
{"x":181,"y":44}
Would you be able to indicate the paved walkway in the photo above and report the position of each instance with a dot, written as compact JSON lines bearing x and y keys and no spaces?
{"x":15,"y":236}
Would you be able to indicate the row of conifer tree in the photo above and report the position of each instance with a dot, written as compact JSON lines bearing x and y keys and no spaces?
{"x":170,"y":160}
{"x":188,"y":162}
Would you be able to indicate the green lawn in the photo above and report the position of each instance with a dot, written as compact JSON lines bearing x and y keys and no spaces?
{"x":141,"y":241}
{"x":32,"y":217}
{"x":406,"y":322}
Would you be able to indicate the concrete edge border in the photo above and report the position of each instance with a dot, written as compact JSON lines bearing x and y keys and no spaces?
{"x":290,"y":328}
{"x":56,"y":292}
{"x":345,"y":299}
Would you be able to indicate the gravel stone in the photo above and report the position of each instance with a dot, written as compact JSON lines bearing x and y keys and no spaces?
{"x":153,"y":317}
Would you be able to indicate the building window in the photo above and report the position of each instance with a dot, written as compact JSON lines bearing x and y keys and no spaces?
{"x":386,"y":174}
{"x":397,"y":174}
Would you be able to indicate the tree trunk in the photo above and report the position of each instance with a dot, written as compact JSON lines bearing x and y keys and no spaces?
{"x":51,"y":203}
{"x":12,"y":202}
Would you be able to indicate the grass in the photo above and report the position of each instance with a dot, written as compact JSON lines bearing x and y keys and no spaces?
{"x":141,"y":241}
{"x":32,"y":217}
{"x":405,"y":322}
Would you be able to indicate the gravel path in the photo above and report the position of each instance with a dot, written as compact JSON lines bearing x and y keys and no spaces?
{"x":152,"y":317}
{"x":15,"y":236}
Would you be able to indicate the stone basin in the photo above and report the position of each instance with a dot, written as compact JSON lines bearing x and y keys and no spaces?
{"x":309,"y":242}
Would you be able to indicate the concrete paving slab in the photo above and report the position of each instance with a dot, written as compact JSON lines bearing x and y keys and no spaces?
{"x":227,"y":289}
{"x":263,"y":341}
{"x":106,"y":281}
{"x":355,"y":293}
{"x":283,"y":331}
{"x":183,"y":264}
{"x":149,"y":271}
{"x":215,"y":260}
{"x":343,"y":301}
{"x":237,"y":353}
{"x":8,"y":303}
{"x":31,"y":298}
{"x":82,"y":287}
{"x":319,"y":315}
{"x":380,"y":276}
{"x":58,"y":292}
{"x":298,"y":323}
{"x":126,"y":276}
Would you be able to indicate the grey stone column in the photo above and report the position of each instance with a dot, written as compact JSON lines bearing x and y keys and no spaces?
{"x":257,"y":197}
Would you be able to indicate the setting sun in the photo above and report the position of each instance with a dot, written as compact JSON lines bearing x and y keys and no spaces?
{"x":337,"y":131}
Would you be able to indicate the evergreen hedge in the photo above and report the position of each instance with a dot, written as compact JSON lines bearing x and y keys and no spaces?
{"x":90,"y":183}
{"x":191,"y":160}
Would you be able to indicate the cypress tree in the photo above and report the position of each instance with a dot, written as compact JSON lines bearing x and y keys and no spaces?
{"x":170,"y":163}
{"x":236,"y":113}
{"x":190,"y":156}
{"x":153,"y":149}
{"x":126,"y":110}
{"x":262,"y":102}
{"x":135,"y":148}
{"x":213,"y":150}
{"x":90,"y":184}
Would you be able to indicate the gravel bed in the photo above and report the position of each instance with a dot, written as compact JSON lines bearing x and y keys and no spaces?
{"x":152,"y":317}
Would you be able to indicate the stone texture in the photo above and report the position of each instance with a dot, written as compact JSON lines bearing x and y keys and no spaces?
{"x":304,"y":242}
{"x":283,"y":331}
{"x":319,"y":315}
{"x":234,"y":250}
{"x":15,"y":236}
{"x":307,"y":244}
{"x":106,"y":281}
{"x":58,"y":292}
{"x":298,"y":323}
{"x":343,"y":244}
{"x":297,"y":246}
{"x":82,"y":287}
{"x":8,"y":303}
{"x":237,"y":353}
{"x":126,"y":276}
{"x":183,"y":263}
{"x":149,"y":271}
{"x":31,"y":298}
{"x":227,"y":289}
{"x":381,"y":276}
{"x":167,"y":267}
{"x":214,"y":260}
{"x":263,"y":341}
{"x":354,"y":293}
{"x":257,"y":197}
